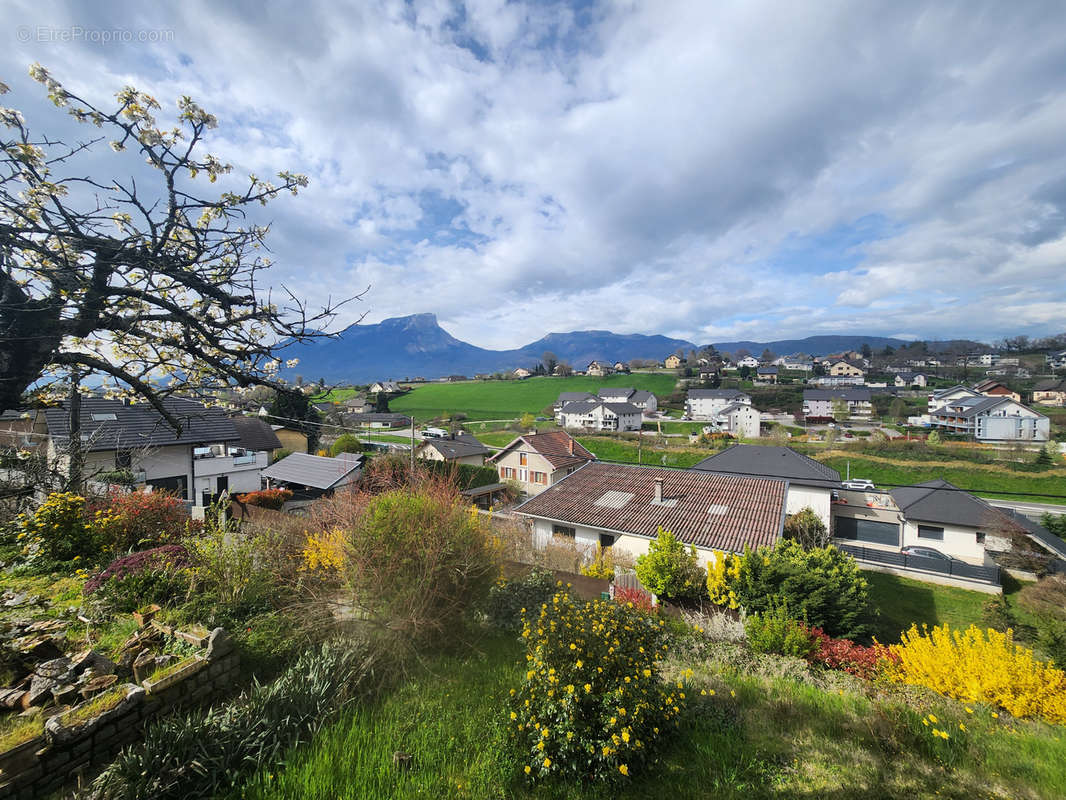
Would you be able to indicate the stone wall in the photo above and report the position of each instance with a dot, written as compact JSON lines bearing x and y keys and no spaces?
{"x":71,"y":747}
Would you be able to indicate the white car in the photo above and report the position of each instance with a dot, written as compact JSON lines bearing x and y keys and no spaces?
{"x":858,"y":484}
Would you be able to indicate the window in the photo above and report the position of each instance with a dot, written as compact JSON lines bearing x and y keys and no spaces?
{"x":563,"y":530}
{"x":523,"y":475}
{"x":867,"y":530}
{"x":522,"y":459}
{"x":507,"y":472}
{"x":540,"y":477}
{"x":930,"y":532}
{"x":980,"y":537}
{"x":123,"y":459}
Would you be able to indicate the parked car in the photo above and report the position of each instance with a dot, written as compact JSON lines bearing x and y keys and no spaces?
{"x":542,"y":419}
{"x":925,"y":552}
{"x":858,"y":484}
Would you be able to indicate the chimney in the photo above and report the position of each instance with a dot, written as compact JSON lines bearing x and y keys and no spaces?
{"x":570,"y":445}
{"x":658,"y":491}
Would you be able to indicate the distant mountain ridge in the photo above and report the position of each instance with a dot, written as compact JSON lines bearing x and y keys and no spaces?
{"x":416,"y":346}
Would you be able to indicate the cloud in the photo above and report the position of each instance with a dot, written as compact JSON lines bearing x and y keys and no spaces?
{"x":720,"y":170}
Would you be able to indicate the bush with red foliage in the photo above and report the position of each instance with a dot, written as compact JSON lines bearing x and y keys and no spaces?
{"x":130,"y":520}
{"x":640,"y":599}
{"x":169,"y":556}
{"x":266,"y":498}
{"x":845,"y":655}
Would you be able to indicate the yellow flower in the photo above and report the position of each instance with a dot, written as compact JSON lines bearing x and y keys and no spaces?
{"x":514,"y":715}
{"x":623,"y":769}
{"x":932,"y":718}
{"x":547,"y":763}
{"x":528,"y":769}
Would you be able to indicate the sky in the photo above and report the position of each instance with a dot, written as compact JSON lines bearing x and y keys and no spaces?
{"x":707,"y":170}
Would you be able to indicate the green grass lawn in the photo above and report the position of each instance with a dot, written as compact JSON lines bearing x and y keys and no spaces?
{"x":758,"y":736}
{"x":510,"y":399}
{"x":902,"y":601}
{"x":1019,"y":486}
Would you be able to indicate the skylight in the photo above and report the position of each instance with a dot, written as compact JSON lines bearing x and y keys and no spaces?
{"x":614,"y":499}
{"x":104,"y":418}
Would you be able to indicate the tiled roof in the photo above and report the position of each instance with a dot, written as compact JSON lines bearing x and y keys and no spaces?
{"x":255,"y":434}
{"x":554,"y":446}
{"x":940,"y":501}
{"x":319,"y":472}
{"x":112,"y":425}
{"x":1053,"y":385}
{"x":771,"y":462}
{"x":708,"y":510}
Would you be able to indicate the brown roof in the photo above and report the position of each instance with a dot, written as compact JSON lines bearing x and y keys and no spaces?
{"x":722,"y":512}
{"x":554,"y":446}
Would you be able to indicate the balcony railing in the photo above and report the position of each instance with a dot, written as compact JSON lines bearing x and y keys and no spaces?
{"x":956,"y":569}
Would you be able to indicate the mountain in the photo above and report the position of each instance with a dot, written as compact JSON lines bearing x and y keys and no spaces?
{"x":814,"y":345}
{"x":405,"y":347}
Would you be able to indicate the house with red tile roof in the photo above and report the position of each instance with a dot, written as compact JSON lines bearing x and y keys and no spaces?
{"x":625,"y":506}
{"x":539,"y":460}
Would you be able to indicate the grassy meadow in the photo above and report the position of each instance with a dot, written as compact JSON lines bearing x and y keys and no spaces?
{"x":510,"y":399}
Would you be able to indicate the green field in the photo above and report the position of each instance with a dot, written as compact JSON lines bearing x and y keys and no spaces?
{"x":511,"y":399}
{"x":1020,"y":486}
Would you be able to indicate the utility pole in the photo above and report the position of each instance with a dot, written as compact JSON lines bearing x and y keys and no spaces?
{"x":75,"y":467}
{"x":412,"y":443}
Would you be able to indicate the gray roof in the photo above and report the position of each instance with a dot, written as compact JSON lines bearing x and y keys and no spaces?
{"x":955,"y":388}
{"x":113,"y":425}
{"x":573,"y":397}
{"x":356,"y":419}
{"x":616,"y":391}
{"x":1036,"y":531}
{"x":766,"y":371}
{"x":255,"y":434}
{"x":969,"y":407}
{"x":715,"y":394}
{"x":586,"y":406}
{"x":941,"y":502}
{"x":771,"y":462}
{"x":461,"y":446}
{"x":318,"y":472}
{"x":1053,"y":385}
{"x":848,"y":395}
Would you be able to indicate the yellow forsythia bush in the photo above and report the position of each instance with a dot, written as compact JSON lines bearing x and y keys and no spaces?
{"x":723,"y":574}
{"x":981,"y":667}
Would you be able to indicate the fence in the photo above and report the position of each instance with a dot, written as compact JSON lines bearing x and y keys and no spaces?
{"x":956,"y":569}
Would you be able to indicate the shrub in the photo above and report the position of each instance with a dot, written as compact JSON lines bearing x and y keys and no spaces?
{"x":149,"y":576}
{"x":976,"y":666}
{"x":592,"y":705}
{"x":845,"y":655}
{"x":203,"y":754}
{"x":637,"y":598}
{"x":346,"y":443}
{"x":717,"y":625}
{"x":229,"y":581}
{"x":774,"y":631}
{"x":509,"y":599}
{"x":807,"y":528}
{"x":266,"y":498}
{"x":605,"y":561}
{"x":59,"y":530}
{"x":131,"y":520}
{"x":669,"y":569}
{"x":823,"y":586}
{"x":418,"y":559}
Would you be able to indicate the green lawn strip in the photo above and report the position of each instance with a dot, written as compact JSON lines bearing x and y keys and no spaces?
{"x":1051,"y":489}
{"x":507,"y":399}
{"x":902,"y":601}
{"x":624,"y":450}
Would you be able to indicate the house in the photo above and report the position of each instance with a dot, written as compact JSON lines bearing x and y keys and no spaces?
{"x":458,"y":449}
{"x":570,"y":397}
{"x":809,"y":484}
{"x":846,"y":369}
{"x":645,"y":401}
{"x":993,"y":388}
{"x":621,"y":366}
{"x":1056,"y":360}
{"x":837,"y":380}
{"x":739,"y":419}
{"x":672,"y":361}
{"x":904,"y":379}
{"x":600,"y":415}
{"x":357,"y":404}
{"x":821,"y":404}
{"x":310,"y":476}
{"x":944,"y":397}
{"x":748,"y":361}
{"x":521,"y":372}
{"x":766,"y":374}
{"x":599,"y":369}
{"x":291,"y":439}
{"x":210,"y":455}
{"x":797,"y":365}
{"x":371,"y":419}
{"x":624,"y":507}
{"x":1050,"y":393}
{"x":389,"y":387}
{"x":539,"y":460}
{"x":934,"y":514}
{"x":992,"y":419}
{"x":705,"y":404}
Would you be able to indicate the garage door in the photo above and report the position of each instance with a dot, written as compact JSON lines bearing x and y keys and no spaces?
{"x":867,"y":530}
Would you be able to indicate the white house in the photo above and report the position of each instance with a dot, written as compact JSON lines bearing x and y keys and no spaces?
{"x":457,"y":448}
{"x":599,"y":415}
{"x":943,"y":397}
{"x":904,"y":379}
{"x":809,"y":483}
{"x":705,"y":404}
{"x":1056,"y":360}
{"x":738,"y":419}
{"x":624,"y":506}
{"x":385,"y":386}
{"x":992,"y":419}
{"x":645,"y":401}
{"x":521,"y":372}
{"x":748,"y":361}
{"x":821,"y":403}
{"x":212,"y":454}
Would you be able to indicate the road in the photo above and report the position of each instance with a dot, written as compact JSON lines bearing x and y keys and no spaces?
{"x":1032,"y":510}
